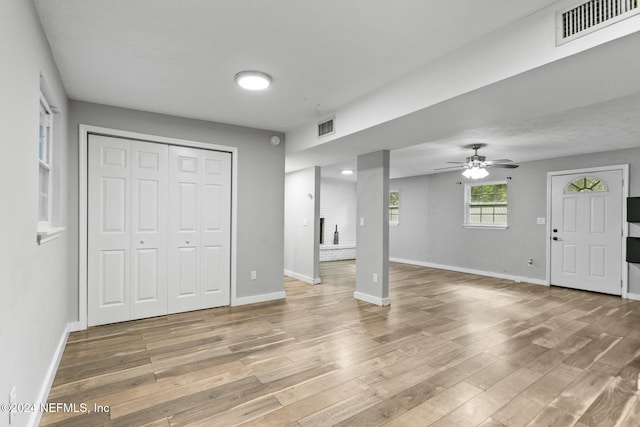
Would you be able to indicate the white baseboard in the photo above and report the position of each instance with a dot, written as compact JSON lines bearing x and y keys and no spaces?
{"x":259,"y":298}
{"x":76,"y":326}
{"x":43,"y":395}
{"x":382,"y":302}
{"x":472,"y":271}
{"x":302,"y":277}
{"x":632,"y":296}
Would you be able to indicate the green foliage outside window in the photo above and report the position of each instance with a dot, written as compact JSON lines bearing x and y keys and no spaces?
{"x":585,"y":184}
{"x":489,"y":193}
{"x":488,"y":204}
{"x":394,"y":206}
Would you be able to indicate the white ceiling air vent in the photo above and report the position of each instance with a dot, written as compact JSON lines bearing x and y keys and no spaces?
{"x":326,"y":127}
{"x":592,"y":15}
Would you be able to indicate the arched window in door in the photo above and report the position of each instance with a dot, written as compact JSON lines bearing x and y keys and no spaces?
{"x":585,"y":184}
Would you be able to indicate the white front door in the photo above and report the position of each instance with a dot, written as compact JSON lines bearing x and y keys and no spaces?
{"x":586,"y":231}
{"x":199,"y":229}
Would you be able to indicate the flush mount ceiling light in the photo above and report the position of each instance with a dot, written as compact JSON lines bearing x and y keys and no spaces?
{"x":347,"y":172}
{"x":253,"y":80}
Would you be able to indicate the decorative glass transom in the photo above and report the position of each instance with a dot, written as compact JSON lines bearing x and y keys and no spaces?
{"x":585,"y":184}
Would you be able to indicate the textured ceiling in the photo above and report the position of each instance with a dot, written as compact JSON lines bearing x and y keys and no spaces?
{"x":179,"y":58}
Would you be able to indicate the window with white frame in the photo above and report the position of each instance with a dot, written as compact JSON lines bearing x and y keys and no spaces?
{"x":44,"y":160}
{"x":486,"y":205}
{"x":394,"y":207}
{"x":46,"y":230}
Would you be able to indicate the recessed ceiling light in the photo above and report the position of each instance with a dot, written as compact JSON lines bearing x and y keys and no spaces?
{"x":253,"y":80}
{"x":347,"y":172}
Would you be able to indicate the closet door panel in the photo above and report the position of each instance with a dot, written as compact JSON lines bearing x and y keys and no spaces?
{"x":216,"y":228}
{"x":184,"y":218}
{"x":109,"y":230}
{"x":149,"y":178}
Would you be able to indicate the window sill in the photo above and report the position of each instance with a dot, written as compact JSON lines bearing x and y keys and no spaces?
{"x":486,"y":226}
{"x":47,"y":234}
{"x":393,"y":224}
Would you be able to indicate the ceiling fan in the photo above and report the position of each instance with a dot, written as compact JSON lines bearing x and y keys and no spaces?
{"x":475,"y":167}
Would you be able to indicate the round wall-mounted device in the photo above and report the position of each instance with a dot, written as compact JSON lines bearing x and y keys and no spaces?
{"x":274,"y":140}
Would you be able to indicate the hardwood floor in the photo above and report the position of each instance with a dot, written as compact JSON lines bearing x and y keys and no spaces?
{"x":453,"y":349}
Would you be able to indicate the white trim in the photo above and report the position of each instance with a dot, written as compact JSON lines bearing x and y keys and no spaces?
{"x":467,"y":202}
{"x":34,"y":420}
{"x":43,"y":226}
{"x":633,"y":296}
{"x":329,"y":247}
{"x":75,"y":327}
{"x":48,"y":233}
{"x":260,"y":298}
{"x":302,"y":277}
{"x":83,"y":140}
{"x":473,"y":271}
{"x":382,"y":302}
{"x":624,"y":168}
{"x":487,"y":226}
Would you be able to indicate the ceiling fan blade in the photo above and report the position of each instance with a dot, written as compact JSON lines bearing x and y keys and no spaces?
{"x":450,"y":167}
{"x":493,"y":162}
{"x":507,"y":166}
{"x":458,"y":163}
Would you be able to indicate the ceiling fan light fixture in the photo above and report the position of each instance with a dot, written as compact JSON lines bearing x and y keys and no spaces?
{"x":253,"y":80}
{"x":475,"y":172}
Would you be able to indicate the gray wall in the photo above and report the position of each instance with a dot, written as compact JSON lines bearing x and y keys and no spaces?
{"x":260,"y":183}
{"x":37,"y":282}
{"x":408,"y":239}
{"x":431,"y":217}
{"x":302,"y":224}
{"x":372,"y":249}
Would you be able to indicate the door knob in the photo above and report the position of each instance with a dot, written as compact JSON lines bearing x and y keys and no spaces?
{"x":142,"y":242}
{"x":187,"y":242}
{"x":555,"y":238}
{"x":555,"y":230}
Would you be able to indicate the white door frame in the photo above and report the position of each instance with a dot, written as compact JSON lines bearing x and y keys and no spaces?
{"x":83,"y":140}
{"x":625,"y":226}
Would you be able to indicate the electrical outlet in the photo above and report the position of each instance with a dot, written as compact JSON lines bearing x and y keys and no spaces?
{"x":253,"y":275}
{"x":361,"y":222}
{"x":12,"y":404}
{"x":375,"y":277}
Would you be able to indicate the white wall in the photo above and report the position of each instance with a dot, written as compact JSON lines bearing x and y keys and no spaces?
{"x":37,"y":282}
{"x":302,"y":224}
{"x":434,"y":233}
{"x":338,"y":207}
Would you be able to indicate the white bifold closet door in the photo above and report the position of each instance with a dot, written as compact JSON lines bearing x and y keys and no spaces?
{"x":158,"y":229}
{"x":199,"y":225}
